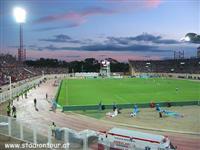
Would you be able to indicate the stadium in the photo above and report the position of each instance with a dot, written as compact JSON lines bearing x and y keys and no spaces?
{"x":108,"y":96}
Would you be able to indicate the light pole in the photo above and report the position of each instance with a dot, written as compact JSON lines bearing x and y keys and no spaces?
{"x":20,"y":17}
{"x":42,"y":75}
{"x":10,"y":87}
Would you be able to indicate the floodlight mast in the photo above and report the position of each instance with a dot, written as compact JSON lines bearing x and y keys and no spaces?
{"x":21,"y":36}
{"x":20,"y":17}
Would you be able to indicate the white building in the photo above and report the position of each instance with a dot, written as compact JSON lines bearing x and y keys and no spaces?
{"x":105,"y":68}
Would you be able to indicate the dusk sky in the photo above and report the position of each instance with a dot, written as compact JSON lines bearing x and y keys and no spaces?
{"x":120,"y":29}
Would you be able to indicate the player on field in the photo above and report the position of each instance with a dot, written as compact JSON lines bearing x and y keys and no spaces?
{"x":35,"y":102}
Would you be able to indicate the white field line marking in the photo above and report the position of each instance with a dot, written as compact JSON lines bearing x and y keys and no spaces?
{"x":123,"y":99}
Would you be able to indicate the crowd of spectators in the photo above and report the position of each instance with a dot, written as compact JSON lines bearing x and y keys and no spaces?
{"x":191,"y":66}
{"x":9,"y":66}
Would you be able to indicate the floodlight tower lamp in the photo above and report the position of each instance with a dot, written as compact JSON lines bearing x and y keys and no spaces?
{"x":187,"y":38}
{"x":19,"y":14}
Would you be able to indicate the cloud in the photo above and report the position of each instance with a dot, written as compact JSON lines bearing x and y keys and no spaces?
{"x":166,"y":41}
{"x":140,"y":43}
{"x":153,"y":3}
{"x":128,"y":5}
{"x":72,"y":19}
{"x":61,"y":38}
{"x":109,"y":47}
{"x":69,"y":25}
{"x":141,"y":38}
{"x":131,"y":48}
{"x":145,"y":37}
{"x":76,"y":18}
{"x":32,"y":46}
{"x":54,"y":48}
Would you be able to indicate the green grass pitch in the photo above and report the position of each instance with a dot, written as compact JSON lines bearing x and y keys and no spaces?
{"x":127,"y":90}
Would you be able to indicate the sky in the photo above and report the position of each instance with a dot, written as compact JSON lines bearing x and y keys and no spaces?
{"x":121,"y":29}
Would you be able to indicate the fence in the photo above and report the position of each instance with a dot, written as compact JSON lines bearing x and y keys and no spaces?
{"x":19,"y":89}
{"x":42,"y":137}
{"x":141,"y":105}
{"x":42,"y":134}
{"x":22,"y":86}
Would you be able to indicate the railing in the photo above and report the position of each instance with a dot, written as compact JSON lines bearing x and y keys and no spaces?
{"x":62,"y":138}
{"x":19,"y":89}
{"x":22,"y":86}
{"x":42,"y":134}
